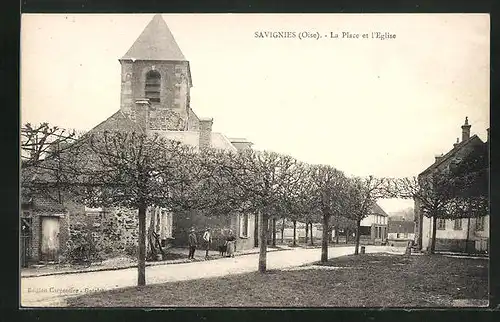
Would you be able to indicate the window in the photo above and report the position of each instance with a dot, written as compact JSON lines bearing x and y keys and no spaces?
{"x":480,"y":223}
{"x":152,"y":87}
{"x":441,"y":224}
{"x":244,"y":226}
{"x":457,"y":224}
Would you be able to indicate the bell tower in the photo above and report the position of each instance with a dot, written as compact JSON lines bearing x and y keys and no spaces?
{"x":155,"y":68}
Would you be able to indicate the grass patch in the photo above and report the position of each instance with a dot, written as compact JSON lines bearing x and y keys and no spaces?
{"x":379,"y":280}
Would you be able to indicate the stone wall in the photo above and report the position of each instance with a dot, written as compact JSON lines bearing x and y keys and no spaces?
{"x":113,"y":231}
{"x":193,"y":121}
{"x":174,"y":89}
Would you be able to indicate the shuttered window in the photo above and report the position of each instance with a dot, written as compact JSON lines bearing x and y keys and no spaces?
{"x":153,"y":86}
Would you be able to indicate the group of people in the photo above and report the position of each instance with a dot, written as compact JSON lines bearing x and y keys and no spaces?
{"x":227,"y":247}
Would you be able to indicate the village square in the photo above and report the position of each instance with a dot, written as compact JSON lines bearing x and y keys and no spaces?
{"x":152,"y":207}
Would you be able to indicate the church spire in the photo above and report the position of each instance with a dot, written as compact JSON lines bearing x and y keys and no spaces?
{"x":156,"y":42}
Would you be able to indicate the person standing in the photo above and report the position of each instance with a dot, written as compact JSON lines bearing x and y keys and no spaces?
{"x":231,"y":244}
{"x":192,"y":243}
{"x":207,"y":237}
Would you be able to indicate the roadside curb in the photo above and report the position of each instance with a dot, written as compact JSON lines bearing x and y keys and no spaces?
{"x":172,"y":262}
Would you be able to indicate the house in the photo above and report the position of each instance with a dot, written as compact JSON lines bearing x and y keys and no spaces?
{"x":44,"y":226}
{"x":454,"y":234}
{"x":374,"y":226}
{"x":155,"y":99}
{"x":400,"y":232}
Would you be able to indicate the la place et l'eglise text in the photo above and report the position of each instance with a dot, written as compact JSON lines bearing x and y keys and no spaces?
{"x":331,"y":34}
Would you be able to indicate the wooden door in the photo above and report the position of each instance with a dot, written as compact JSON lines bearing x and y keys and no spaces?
{"x":50,"y":239}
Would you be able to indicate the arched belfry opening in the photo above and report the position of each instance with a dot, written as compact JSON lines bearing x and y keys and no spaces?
{"x":153,"y":86}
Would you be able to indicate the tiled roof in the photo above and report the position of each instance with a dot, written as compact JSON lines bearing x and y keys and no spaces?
{"x":378,"y":210}
{"x":117,"y":122}
{"x":192,"y":138}
{"x":401,"y":226}
{"x":451,"y":153}
{"x":156,"y":42}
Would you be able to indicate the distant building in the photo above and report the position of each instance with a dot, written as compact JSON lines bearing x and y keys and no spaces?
{"x":374,"y":226}
{"x":453,"y":234}
{"x":400,"y":232}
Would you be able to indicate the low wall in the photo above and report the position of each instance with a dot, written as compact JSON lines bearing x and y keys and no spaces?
{"x":455,"y":245}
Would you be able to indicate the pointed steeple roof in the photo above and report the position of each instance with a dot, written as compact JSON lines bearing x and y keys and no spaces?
{"x":156,"y":42}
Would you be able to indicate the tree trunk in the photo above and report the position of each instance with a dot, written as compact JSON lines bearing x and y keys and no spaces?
{"x":274,"y":232}
{"x":468,"y":236}
{"x":311,"y":230}
{"x":358,"y":233}
{"x":329,"y":235}
{"x":324,"y":239}
{"x":346,"y":236}
{"x":433,"y":240}
{"x":256,"y":232}
{"x":282,"y":230}
{"x":336,"y":235}
{"x":262,"y":242}
{"x":269,"y":232}
{"x":141,"y":266}
{"x":150,"y":238}
{"x":294,"y":233}
{"x":307,"y":231}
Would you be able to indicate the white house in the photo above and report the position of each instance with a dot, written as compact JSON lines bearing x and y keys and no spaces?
{"x":374,"y":226}
{"x":462,"y":234}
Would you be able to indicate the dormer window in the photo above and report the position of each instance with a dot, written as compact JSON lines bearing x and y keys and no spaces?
{"x":153,"y":86}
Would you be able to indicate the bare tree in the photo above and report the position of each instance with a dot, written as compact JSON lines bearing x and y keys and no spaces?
{"x":258,"y":180}
{"x":362,"y":196}
{"x":328,"y":195}
{"x":343,"y":223}
{"x":47,"y":153}
{"x":136,"y":171}
{"x":433,"y":195}
{"x":43,"y":140}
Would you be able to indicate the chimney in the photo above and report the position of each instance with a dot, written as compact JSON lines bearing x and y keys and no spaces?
{"x":457,"y":143}
{"x":438,"y":158}
{"x":205,"y":132}
{"x":466,"y":130}
{"x":140,"y":113}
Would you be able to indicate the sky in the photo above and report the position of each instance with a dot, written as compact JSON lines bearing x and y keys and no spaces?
{"x":366,"y":106}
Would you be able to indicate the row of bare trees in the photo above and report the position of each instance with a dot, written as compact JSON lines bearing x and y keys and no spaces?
{"x":137,"y":171}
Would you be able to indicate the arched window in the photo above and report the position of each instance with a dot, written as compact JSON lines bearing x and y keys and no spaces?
{"x":152,"y":88}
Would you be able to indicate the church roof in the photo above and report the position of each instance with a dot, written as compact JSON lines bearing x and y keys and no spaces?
{"x":156,"y":42}
{"x":117,"y":122}
{"x":192,"y":138}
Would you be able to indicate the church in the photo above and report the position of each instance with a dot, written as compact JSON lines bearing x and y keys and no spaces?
{"x":155,"y":99}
